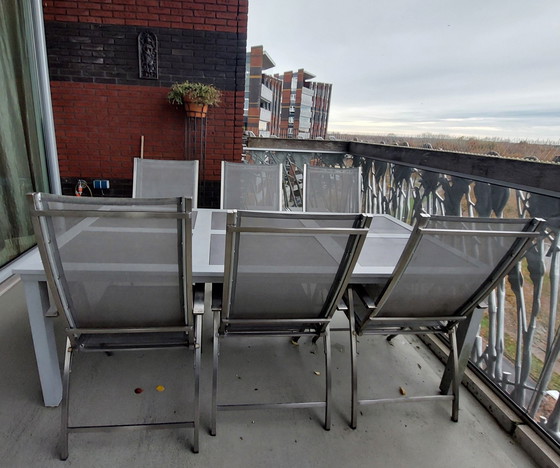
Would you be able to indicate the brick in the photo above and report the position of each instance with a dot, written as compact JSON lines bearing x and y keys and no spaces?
{"x":101,"y":108}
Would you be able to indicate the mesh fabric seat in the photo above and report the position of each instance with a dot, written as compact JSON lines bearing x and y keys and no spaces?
{"x":285,"y":274}
{"x":120,"y":274}
{"x":448,"y":267}
{"x":251,"y":186}
{"x":162,"y":178}
{"x":332,"y":189}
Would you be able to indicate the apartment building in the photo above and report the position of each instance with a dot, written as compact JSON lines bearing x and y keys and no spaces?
{"x":263,"y":92}
{"x":288,"y":105}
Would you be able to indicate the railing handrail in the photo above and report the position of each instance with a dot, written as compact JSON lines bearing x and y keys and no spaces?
{"x":534,"y":176}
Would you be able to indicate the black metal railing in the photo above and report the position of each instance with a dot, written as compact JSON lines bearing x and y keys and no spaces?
{"x":518,"y":345}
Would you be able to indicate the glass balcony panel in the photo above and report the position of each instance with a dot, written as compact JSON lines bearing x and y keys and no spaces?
{"x":517,"y":347}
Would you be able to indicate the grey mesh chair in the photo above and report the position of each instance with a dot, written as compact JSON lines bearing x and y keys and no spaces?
{"x":162,"y":178}
{"x":332,"y":189}
{"x":447,"y":269}
{"x":251,"y":186}
{"x":120,"y":274}
{"x":285,"y":274}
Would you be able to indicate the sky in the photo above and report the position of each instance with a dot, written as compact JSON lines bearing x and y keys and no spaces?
{"x":483,"y":68}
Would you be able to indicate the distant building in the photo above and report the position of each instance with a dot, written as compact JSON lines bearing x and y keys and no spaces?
{"x":287,"y":105}
{"x":263,"y":93}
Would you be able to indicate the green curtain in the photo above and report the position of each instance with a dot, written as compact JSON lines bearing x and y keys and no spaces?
{"x":22,"y":155}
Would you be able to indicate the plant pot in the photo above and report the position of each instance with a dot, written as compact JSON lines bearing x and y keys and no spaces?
{"x":195,"y":110}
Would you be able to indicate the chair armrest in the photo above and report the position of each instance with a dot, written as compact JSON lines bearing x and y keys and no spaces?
{"x":198,"y":299}
{"x":366,"y":299}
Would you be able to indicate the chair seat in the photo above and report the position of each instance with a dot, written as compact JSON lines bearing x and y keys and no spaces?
{"x":274,"y":328}
{"x":129,"y":341}
{"x":284,"y":274}
{"x":447,"y":269}
{"x":251,"y":186}
{"x":103,"y":260}
{"x":165,"y":178}
{"x":334,"y":189}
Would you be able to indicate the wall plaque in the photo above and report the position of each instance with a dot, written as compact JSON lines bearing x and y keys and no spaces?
{"x":147,"y":55}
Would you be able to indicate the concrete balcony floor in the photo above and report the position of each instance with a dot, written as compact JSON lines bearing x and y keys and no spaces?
{"x":408,"y":434}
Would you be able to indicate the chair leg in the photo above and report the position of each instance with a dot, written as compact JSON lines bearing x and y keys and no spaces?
{"x":392,"y":337}
{"x":328,"y":378}
{"x":216,"y":353}
{"x":456,"y":378}
{"x":65,"y":401}
{"x":353,"y":362}
{"x":197,"y":351}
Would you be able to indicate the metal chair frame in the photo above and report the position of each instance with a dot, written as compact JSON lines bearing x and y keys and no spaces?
{"x":376,"y":323}
{"x":317,"y":325}
{"x":127,"y":338}
{"x":249,"y":167}
{"x":142,"y":165}
{"x":309,"y":171}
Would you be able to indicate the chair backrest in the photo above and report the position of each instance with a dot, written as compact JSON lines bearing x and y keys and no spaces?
{"x":450,"y":265}
{"x":115,"y":263}
{"x":284,"y":270}
{"x":333,"y":189}
{"x":251,"y":186}
{"x":163,"y":178}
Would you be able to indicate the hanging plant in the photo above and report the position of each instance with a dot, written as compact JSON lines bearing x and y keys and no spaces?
{"x":196,"y":97}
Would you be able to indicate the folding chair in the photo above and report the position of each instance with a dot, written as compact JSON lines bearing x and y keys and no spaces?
{"x":285,"y":274}
{"x":162,"y":178}
{"x":251,"y":186}
{"x":119,"y":271}
{"x":332,"y":189}
{"x":447,"y":269}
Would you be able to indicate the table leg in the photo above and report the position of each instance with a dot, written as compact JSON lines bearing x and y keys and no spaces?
{"x":466,"y":335}
{"x":42,"y":330}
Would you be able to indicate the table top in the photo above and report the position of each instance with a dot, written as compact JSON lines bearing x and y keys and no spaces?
{"x":383,"y":246}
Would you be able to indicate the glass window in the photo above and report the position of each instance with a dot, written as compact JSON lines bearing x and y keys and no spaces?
{"x":22,"y":155}
{"x":294,"y":82}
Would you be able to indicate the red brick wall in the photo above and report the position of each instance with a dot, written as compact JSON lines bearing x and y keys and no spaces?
{"x":101,"y":106}
{"x":99,"y":134}
{"x":209,"y":15}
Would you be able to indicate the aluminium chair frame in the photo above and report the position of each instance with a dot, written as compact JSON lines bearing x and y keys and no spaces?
{"x":136,"y":183}
{"x":192,"y":300}
{"x":318,"y":327}
{"x":224,"y":177}
{"x":358,"y":186}
{"x":392,"y":326}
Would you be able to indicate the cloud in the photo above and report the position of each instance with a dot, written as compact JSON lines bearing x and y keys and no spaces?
{"x":406,"y":63}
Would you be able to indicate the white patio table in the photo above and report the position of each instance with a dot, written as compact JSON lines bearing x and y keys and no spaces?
{"x":381,"y":251}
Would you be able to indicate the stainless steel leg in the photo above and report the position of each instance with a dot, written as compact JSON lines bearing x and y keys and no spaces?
{"x":466,"y":336}
{"x":216,"y":352}
{"x":456,"y":378}
{"x":353,"y":360}
{"x":328,"y":377}
{"x":197,"y":351}
{"x":65,"y":401}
